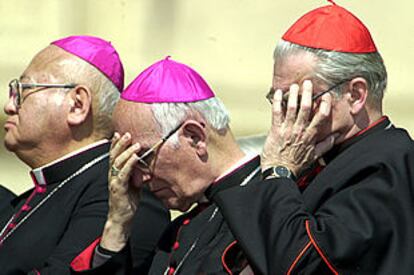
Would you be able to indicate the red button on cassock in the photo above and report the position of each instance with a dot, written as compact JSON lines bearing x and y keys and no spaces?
{"x":26,"y":207}
{"x":12,"y":225}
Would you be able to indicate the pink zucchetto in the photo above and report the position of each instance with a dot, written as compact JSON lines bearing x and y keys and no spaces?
{"x":97,"y":52}
{"x":167,"y":81}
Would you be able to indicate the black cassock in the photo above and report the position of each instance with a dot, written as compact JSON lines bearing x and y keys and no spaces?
{"x":56,"y":221}
{"x":5,"y":196}
{"x":355,"y":217}
{"x":198,"y":242}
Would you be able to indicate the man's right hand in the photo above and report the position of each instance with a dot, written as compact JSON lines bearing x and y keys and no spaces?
{"x":123,"y":196}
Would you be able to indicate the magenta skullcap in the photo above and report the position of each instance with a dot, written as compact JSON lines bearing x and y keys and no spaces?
{"x":167,"y":81}
{"x":97,"y":52}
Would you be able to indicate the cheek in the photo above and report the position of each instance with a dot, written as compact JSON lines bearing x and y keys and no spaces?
{"x":177,"y":168}
{"x":341,"y":115}
{"x":29,"y":119}
{"x":57,"y":100}
{"x":34,"y":109}
{"x":169,"y":175}
{"x":167,"y":164}
{"x":28,"y":131}
{"x":45,"y":120}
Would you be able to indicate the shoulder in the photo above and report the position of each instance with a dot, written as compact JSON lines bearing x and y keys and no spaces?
{"x":6,"y":194}
{"x":388,"y":145}
{"x":377,"y":157}
{"x":89,"y":189}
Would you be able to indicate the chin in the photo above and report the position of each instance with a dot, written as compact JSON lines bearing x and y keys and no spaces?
{"x":175,"y":204}
{"x":10,"y":146}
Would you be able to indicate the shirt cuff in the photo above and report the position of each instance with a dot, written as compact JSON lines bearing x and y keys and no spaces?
{"x":101,"y":255}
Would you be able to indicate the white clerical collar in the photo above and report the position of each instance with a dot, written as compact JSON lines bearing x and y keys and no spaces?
{"x":38,"y":172}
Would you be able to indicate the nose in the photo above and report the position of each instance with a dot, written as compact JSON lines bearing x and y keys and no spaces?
{"x":10,"y":108}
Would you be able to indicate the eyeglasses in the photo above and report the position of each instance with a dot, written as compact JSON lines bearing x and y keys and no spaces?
{"x":271,"y":93}
{"x":16,"y":89}
{"x":146,"y":159}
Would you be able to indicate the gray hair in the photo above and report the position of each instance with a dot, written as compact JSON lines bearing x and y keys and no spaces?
{"x":104,"y":93}
{"x":333,"y":67}
{"x":169,"y":115}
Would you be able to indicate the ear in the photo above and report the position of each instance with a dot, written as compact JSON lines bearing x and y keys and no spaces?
{"x":80,"y":102}
{"x":195,"y":134}
{"x":358,"y":94}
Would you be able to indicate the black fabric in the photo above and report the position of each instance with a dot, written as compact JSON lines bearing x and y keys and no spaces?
{"x":150,"y":221}
{"x":104,"y":251}
{"x":209,"y":238}
{"x":382,"y":124}
{"x":71,"y":219}
{"x":120,"y":263}
{"x":136,"y":257}
{"x":358,"y":211}
{"x":5,"y":197}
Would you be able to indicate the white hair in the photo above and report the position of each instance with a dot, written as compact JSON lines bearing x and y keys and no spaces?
{"x":104,"y":93}
{"x":169,"y":115}
{"x":333,"y":67}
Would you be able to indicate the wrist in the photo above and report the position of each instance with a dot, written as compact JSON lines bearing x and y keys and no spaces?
{"x":278,"y":171}
{"x":115,"y":236}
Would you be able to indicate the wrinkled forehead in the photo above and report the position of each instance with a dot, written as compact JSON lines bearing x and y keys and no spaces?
{"x":293,"y":68}
{"x":137,"y":119}
{"x":47,"y":65}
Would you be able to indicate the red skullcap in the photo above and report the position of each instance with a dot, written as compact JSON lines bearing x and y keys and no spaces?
{"x":331,"y":28}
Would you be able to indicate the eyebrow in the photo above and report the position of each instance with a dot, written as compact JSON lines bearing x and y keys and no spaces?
{"x":22,"y":77}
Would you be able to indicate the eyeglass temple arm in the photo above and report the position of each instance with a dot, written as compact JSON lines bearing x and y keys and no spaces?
{"x":47,"y":85}
{"x":315,"y":97}
{"x":146,"y":153}
{"x":172,"y":132}
{"x":161,"y":141}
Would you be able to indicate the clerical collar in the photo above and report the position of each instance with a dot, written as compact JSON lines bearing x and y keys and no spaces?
{"x":235,"y":176}
{"x":380,"y":125}
{"x":63,"y":167}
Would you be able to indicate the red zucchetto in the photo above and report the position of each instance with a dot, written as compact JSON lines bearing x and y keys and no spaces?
{"x":331,"y":28}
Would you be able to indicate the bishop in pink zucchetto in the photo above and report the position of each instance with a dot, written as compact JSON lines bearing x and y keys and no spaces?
{"x":59,"y":123}
{"x":173,"y":138}
{"x":97,"y":52}
{"x":168,"y":81}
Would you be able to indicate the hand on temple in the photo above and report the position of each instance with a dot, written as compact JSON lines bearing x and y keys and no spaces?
{"x":123,"y":195}
{"x":294,"y":139}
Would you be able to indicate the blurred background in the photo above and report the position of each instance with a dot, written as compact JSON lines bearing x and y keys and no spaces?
{"x":229,"y":42}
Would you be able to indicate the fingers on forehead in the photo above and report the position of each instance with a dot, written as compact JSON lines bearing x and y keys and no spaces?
{"x":293,"y":95}
{"x":123,"y":157}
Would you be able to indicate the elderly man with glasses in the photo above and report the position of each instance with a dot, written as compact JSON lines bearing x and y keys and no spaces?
{"x":335,"y":193}
{"x":176,"y":140}
{"x":321,"y":210}
{"x":58,"y":123}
